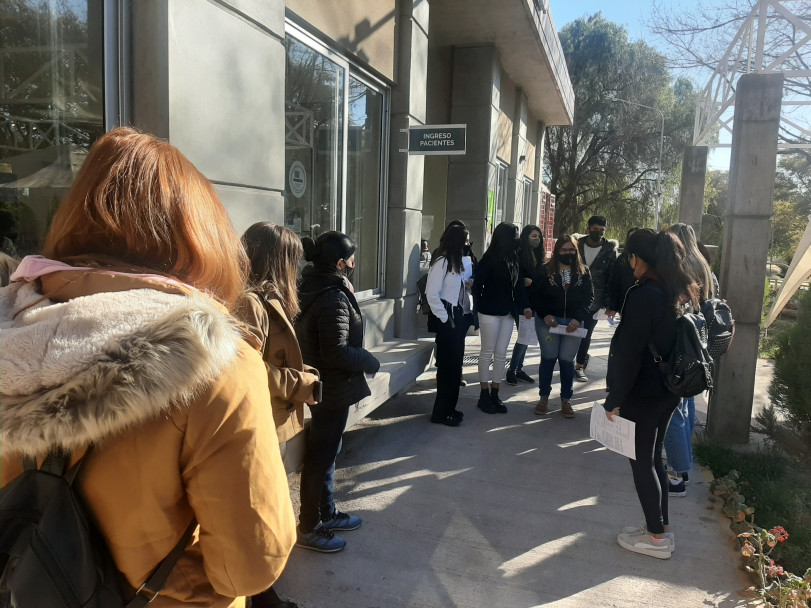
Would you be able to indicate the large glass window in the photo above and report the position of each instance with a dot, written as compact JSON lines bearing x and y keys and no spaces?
{"x":527,"y":202}
{"x":334,"y":153}
{"x":363,"y":184}
{"x":51,"y":110}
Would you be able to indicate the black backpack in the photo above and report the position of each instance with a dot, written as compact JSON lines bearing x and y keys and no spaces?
{"x":51,"y":554}
{"x":422,"y":284}
{"x":689,"y":369}
{"x":720,"y":326}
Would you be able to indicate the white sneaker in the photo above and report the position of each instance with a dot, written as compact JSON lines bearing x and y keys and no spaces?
{"x":668,"y":535}
{"x":642,"y":542}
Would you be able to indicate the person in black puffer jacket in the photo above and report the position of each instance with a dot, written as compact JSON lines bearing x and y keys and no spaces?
{"x":561,"y":295}
{"x":330,"y":333}
{"x":636,"y":390}
{"x":498,"y":298}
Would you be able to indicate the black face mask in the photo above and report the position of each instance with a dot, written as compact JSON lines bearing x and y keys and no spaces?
{"x":595,"y":236}
{"x":349,"y":272}
{"x":567,"y":259}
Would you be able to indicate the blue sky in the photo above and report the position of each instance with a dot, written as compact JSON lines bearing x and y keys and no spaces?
{"x":632,"y":14}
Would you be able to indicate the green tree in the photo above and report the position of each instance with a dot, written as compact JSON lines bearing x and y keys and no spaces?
{"x":607,"y":161}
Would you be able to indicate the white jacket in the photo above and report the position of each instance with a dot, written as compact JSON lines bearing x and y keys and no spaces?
{"x":442,"y":285}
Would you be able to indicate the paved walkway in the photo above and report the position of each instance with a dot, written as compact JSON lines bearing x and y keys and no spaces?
{"x":511,"y":510}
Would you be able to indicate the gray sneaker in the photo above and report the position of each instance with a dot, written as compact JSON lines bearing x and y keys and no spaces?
{"x":637,"y":529}
{"x":320,"y":539}
{"x":642,"y":542}
{"x":580,"y":375}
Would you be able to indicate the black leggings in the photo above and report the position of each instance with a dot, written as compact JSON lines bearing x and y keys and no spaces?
{"x":650,"y":476}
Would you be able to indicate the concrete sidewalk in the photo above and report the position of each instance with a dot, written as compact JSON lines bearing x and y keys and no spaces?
{"x":508,"y":510}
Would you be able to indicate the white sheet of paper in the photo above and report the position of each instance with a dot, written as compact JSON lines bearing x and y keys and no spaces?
{"x":580,"y":332}
{"x":526,"y":331}
{"x":617,"y":436}
{"x":467,"y":267}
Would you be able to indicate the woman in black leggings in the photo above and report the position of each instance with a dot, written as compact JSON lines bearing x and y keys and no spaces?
{"x":636,"y":390}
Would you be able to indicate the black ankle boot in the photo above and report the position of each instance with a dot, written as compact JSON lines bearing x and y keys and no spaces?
{"x":485,"y":403}
{"x":498,"y":404}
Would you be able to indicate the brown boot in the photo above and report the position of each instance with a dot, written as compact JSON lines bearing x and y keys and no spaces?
{"x":566,"y":408}
{"x":543,"y":406}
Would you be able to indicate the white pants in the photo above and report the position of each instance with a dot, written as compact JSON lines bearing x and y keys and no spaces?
{"x":495,"y":334}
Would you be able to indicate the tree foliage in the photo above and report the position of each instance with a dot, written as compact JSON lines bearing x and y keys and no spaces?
{"x":607,"y":161}
{"x":697,"y":40}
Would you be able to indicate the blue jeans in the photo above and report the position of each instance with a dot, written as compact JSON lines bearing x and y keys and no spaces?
{"x":679,"y":436}
{"x":558,"y":348}
{"x":517,"y":360}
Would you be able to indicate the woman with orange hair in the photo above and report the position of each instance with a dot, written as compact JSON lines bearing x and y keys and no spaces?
{"x":118,"y":350}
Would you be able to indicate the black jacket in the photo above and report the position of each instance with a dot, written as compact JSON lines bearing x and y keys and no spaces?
{"x":330,"y":333}
{"x":601,"y":269}
{"x":497,"y":291}
{"x":633,"y":377}
{"x":548,"y":297}
{"x":622,"y":279}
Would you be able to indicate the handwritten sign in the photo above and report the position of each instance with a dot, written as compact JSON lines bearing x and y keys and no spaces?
{"x":617,"y":435}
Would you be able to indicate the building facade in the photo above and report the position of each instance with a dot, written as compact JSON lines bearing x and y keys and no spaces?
{"x":298,"y":112}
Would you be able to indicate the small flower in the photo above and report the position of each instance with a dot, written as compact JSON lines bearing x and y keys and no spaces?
{"x":747,"y":550}
{"x":779,"y":533}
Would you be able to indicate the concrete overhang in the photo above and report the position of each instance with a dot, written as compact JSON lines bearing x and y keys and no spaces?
{"x":527,"y":43}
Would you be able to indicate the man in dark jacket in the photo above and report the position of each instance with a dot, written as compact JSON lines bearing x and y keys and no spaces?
{"x":599,"y":255}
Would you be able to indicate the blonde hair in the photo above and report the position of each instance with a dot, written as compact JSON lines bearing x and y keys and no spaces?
{"x":138,"y":202}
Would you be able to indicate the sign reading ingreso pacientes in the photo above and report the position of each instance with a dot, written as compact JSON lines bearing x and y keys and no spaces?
{"x":437,"y":139}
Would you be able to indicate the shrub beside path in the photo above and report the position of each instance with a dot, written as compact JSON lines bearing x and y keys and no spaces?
{"x":507,"y":510}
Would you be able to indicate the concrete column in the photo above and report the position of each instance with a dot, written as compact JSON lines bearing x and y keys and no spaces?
{"x":537,"y":184}
{"x":406,"y":173}
{"x":475,"y":102}
{"x":693,"y":179}
{"x":514,"y":207}
{"x":745,"y":247}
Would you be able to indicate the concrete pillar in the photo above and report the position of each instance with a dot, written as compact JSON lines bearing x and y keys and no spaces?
{"x":186,"y":85}
{"x":693,"y":179}
{"x":406,"y":173}
{"x":537,"y":184}
{"x":475,"y":102}
{"x":514,"y":208}
{"x":745,"y":247}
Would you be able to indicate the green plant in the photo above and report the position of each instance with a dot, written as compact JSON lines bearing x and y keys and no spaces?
{"x":787,"y":421}
{"x":774,"y":584}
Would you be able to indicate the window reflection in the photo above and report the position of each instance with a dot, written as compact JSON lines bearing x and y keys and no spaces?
{"x":363,"y":179}
{"x":313,"y":141}
{"x":329,"y":111}
{"x":51,"y":110}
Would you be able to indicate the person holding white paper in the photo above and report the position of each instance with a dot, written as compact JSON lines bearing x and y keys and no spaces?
{"x":560,"y":295}
{"x":636,"y":390}
{"x":530,"y":256}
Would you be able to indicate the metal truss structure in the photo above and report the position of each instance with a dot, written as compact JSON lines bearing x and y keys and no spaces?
{"x":772,"y":39}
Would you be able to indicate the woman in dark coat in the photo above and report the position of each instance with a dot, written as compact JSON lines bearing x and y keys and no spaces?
{"x":498,"y":298}
{"x":561,"y":294}
{"x":330,"y":332}
{"x":530,"y":256}
{"x":636,"y":390}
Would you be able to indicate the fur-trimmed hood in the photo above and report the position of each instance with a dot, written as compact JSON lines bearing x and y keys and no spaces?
{"x":77,"y":371}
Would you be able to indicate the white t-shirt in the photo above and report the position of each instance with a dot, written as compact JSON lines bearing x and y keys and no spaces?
{"x":590,"y":253}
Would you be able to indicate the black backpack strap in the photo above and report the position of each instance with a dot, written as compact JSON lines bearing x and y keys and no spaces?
{"x":147,"y":593}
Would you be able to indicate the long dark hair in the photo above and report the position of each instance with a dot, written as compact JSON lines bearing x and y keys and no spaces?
{"x":502,"y":246}
{"x":553,"y":265}
{"x":274,"y":253}
{"x":530,"y":257}
{"x":664,"y":253}
{"x":451,"y":246}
